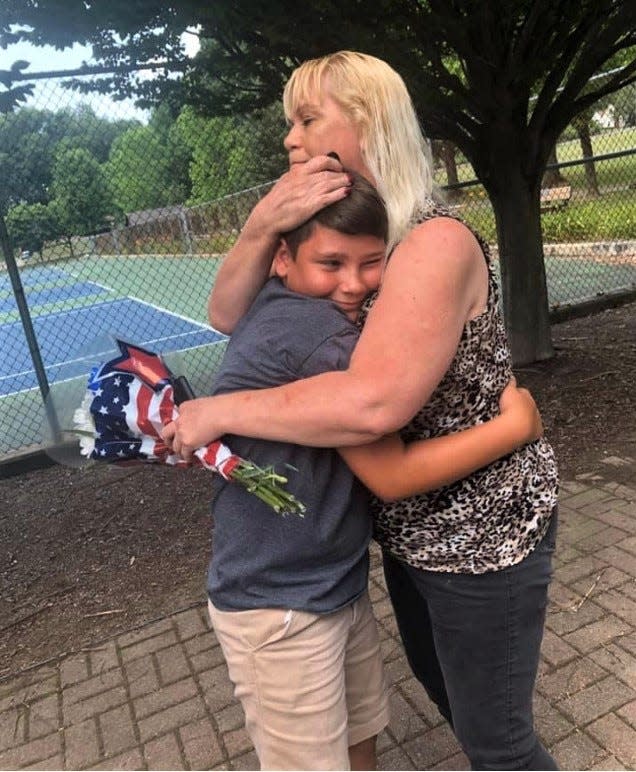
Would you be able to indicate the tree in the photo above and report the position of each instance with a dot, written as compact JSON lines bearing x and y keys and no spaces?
{"x":31,"y":225}
{"x":81,"y":194}
{"x":471,"y":66}
{"x":143,"y":172}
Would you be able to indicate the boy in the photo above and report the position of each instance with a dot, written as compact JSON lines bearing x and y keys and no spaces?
{"x":288,"y":596}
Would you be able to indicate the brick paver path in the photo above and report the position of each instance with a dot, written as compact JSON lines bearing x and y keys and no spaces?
{"x":159,"y":697}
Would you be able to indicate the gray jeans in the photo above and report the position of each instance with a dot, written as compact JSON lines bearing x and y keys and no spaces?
{"x":473,"y":642}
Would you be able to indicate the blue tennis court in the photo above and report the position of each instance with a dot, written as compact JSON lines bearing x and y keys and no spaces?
{"x":66,"y":336}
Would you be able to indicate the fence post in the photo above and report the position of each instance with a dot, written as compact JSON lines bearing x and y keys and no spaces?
{"x":185,"y":232}
{"x":29,"y":332}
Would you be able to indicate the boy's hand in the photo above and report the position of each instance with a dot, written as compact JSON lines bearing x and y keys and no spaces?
{"x":517,"y":405}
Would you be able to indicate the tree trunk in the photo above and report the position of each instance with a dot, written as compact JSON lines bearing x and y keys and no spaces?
{"x":583,"y":131}
{"x":523,"y":282}
{"x":553,"y":178}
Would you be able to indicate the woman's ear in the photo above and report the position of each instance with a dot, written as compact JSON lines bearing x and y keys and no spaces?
{"x":282,"y":259}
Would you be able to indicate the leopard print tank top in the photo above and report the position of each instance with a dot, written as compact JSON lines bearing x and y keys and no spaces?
{"x":495,"y":517}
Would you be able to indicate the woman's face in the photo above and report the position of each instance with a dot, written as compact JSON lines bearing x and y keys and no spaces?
{"x":318,"y":127}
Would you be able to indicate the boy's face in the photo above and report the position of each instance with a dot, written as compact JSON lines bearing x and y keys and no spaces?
{"x":333,"y":265}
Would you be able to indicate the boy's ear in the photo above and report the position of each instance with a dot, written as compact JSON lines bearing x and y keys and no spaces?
{"x":282,"y":260}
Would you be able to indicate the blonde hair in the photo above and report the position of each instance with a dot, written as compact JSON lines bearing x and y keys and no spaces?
{"x":374,"y":97}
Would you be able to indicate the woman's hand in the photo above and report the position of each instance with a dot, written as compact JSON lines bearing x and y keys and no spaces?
{"x":301,"y":192}
{"x":193,"y":428}
{"x":296,"y":196}
{"x":518,"y":404}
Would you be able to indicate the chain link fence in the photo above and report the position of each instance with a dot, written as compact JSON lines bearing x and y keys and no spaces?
{"x":113,"y":222}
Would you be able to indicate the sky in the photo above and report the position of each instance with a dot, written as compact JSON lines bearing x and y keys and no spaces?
{"x":48,"y":94}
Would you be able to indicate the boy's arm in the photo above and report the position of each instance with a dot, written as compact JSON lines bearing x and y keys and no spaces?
{"x":393,"y":470}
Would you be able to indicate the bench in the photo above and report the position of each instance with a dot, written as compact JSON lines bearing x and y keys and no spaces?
{"x":555,"y":198}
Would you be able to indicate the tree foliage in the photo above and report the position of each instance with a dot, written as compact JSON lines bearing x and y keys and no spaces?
{"x":31,"y":225}
{"x":500,"y":79}
{"x":81,"y":194}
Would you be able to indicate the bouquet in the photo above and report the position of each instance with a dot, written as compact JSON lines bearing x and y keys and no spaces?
{"x":130,"y":398}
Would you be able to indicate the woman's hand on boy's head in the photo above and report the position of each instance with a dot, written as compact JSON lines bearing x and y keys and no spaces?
{"x":300,"y":193}
{"x":518,"y":405}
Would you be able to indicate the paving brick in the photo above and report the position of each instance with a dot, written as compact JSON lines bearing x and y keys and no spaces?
{"x":629,"y":545}
{"x":164,"y":753}
{"x":618,"y":519}
{"x":570,"y":487}
{"x":616,"y":660}
{"x":596,"y":700}
{"x":618,"y":557}
{"x":207,"y":659}
{"x":31,"y":752}
{"x":607,"y":579}
{"x":173,"y":665}
{"x":44,"y":717}
{"x":171,"y":718}
{"x":217,"y":688}
{"x":201,"y":747}
{"x":148,"y":646}
{"x":92,"y":686}
{"x":141,"y":676}
{"x":164,"y":697}
{"x":247,"y":762}
{"x":414,"y":692}
{"x":201,"y":643}
{"x":382,"y":608}
{"x":130,"y":760}
{"x":577,"y":751}
{"x":55,"y":762}
{"x":588,"y":496}
{"x":562,"y":598}
{"x":628,"y":713}
{"x":551,"y":725}
{"x":92,"y":706}
{"x":605,"y":537}
{"x":404,"y":724}
{"x":628,"y":642}
{"x":567,"y":621}
{"x":432,"y":747}
{"x":230,"y":718}
{"x":608,"y":762}
{"x":570,"y":679}
{"x":81,"y":744}
{"x":237,"y":742}
{"x":118,"y":730}
{"x":396,"y":759}
{"x":73,"y":669}
{"x":384,"y":742}
{"x":397,"y":671}
{"x":617,"y":737}
{"x":28,"y":688}
{"x":555,"y":650}
{"x":458,"y":761}
{"x":190,"y":623}
{"x":144,"y":633}
{"x":581,"y":567}
{"x":103,"y":658}
{"x":619,"y":604}
{"x":390,"y":649}
{"x":13,"y":727}
{"x":597,"y":634}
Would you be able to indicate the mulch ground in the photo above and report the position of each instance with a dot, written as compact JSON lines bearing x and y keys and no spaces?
{"x":90,"y":553}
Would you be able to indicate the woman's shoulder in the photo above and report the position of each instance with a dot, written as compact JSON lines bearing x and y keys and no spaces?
{"x":442,"y":237}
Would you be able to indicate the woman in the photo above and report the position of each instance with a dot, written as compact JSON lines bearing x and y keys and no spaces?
{"x":467,"y":566}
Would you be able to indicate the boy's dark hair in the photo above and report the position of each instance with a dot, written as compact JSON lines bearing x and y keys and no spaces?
{"x":361,"y":213}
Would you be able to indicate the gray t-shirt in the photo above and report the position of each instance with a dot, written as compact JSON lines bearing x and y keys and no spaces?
{"x":261,"y":559}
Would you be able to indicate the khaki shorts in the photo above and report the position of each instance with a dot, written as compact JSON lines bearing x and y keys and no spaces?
{"x":310,"y":685}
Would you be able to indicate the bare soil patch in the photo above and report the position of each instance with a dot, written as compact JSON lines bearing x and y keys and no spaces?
{"x":90,"y":553}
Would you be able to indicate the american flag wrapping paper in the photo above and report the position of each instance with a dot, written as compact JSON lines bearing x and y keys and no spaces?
{"x":130,"y":398}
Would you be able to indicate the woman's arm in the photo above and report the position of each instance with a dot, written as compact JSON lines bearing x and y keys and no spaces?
{"x":435,"y":282}
{"x":297,"y":195}
{"x":393,"y":470}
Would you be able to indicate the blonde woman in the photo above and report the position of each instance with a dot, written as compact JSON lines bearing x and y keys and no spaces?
{"x":468,"y":565}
